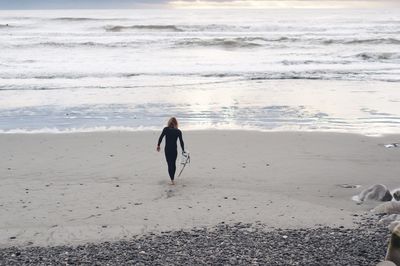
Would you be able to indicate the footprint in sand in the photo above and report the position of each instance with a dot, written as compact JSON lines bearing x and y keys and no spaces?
{"x":163,"y":182}
{"x":92,"y":216}
{"x":348,"y":186}
{"x":170,"y":193}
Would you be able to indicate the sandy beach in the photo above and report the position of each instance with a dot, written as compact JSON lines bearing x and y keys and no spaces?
{"x":69,"y":189}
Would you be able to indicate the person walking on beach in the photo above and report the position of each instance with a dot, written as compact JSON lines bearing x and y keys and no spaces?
{"x":171,"y":133}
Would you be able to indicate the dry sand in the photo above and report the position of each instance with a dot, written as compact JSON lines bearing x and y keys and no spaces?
{"x":89,"y":187}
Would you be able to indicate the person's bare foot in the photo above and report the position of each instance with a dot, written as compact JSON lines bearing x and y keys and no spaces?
{"x":172,"y":183}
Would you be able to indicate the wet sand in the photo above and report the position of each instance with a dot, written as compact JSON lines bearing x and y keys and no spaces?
{"x":89,"y":187}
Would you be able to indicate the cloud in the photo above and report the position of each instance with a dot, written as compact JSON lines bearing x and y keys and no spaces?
{"x":282,"y":3}
{"x":100,"y":4}
{"x":72,"y":4}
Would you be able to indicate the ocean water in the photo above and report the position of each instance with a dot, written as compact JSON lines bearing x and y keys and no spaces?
{"x":307,"y":70}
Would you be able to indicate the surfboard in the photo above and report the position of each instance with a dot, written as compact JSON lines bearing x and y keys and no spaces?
{"x":184,"y":161}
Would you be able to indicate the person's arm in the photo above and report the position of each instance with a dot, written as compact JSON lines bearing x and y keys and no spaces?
{"x":181,"y":141}
{"x":160,"y":139}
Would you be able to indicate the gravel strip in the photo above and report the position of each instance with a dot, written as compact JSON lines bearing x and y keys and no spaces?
{"x":239,"y":244}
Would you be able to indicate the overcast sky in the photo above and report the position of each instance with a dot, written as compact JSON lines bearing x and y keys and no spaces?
{"x":48,"y":4}
{"x":71,"y":4}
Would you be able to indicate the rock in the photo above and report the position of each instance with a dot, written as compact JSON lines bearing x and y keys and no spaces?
{"x":347,"y":186}
{"x":389,"y":219}
{"x":392,"y":145}
{"x":393,"y":225}
{"x":377,"y":192}
{"x":386,"y":263}
{"x":392,"y":207}
{"x":393,"y":252}
{"x":396,"y":195}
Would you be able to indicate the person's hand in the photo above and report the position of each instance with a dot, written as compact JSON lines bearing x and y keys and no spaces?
{"x":158,"y":148}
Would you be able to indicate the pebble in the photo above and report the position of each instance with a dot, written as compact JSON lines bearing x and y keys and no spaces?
{"x":224,"y":244}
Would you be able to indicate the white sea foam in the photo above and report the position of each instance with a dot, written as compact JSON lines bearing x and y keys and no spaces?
{"x":77,"y":130}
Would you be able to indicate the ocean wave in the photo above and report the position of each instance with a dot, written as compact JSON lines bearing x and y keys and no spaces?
{"x":238,"y":42}
{"x":51,"y":76}
{"x":216,"y":28}
{"x":6,"y":26}
{"x":218,"y":42}
{"x":215,"y":78}
{"x":315,"y":62}
{"x":182,"y":28}
{"x":92,"y":44}
{"x":221,"y":42}
{"x":57,"y":76}
{"x":120,"y":28}
{"x":324,"y":75}
{"x":378,"y":56}
{"x":220,"y":75}
{"x":249,"y":42}
{"x":79,"y":19}
{"x":362,"y":41}
{"x":55,"y":130}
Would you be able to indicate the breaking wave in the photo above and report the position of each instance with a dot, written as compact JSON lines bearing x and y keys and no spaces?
{"x":61,"y":44}
{"x":82,"y":19}
{"x":378,"y":56}
{"x":120,"y":28}
{"x":221,"y":42}
{"x":239,"y":42}
{"x":6,"y":26}
{"x":228,"y":43}
{"x":215,"y":77}
{"x":363,"y":41}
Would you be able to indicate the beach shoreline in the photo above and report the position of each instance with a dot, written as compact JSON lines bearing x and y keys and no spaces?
{"x":368,"y":108}
{"x":71,"y":189}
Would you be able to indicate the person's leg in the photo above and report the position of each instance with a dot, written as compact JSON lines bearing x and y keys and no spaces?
{"x":170,"y":168}
{"x":171,"y":160}
{"x":174,"y":155}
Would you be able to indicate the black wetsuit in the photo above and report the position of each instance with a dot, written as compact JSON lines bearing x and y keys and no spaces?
{"x":171,"y":150}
